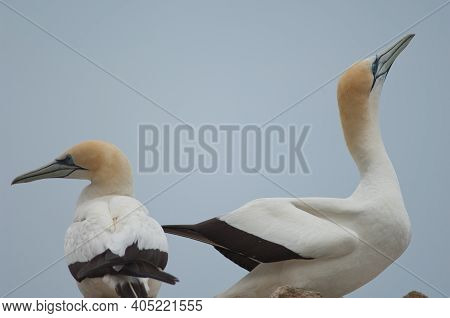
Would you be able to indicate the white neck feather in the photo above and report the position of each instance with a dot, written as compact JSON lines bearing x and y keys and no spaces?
{"x":113,"y":187}
{"x":367,"y":149}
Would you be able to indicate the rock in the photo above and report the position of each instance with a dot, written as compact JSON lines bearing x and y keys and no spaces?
{"x":293,"y":292}
{"x":415,"y":294}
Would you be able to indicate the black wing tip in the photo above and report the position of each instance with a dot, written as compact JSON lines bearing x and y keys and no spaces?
{"x":188,"y":231}
{"x":167,"y":278}
{"x":170,"y":227}
{"x":136,"y":263}
{"x":239,"y":259}
{"x":245,"y":249}
{"x":173,"y":280}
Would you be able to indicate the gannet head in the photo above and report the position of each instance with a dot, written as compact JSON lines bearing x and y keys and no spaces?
{"x":97,"y":161}
{"x":365,"y":78}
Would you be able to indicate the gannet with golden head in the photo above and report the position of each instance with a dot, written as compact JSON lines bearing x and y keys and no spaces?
{"x":113,"y":248}
{"x":329,"y":245}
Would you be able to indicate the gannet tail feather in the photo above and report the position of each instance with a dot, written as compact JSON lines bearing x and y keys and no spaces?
{"x":147,"y":270}
{"x":131,"y":288}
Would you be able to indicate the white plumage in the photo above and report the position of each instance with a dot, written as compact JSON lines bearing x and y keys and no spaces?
{"x":111,"y":222}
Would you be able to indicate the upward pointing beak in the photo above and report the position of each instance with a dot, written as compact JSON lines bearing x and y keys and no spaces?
{"x":55,"y":169}
{"x":386,"y":58}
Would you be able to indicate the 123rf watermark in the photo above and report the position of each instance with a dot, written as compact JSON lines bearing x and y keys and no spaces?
{"x":222,"y":148}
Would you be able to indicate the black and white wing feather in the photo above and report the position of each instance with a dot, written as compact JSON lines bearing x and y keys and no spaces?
{"x":270,"y":230}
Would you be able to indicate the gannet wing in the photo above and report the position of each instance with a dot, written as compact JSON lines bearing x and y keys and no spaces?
{"x":271,"y":230}
{"x":115,"y":235}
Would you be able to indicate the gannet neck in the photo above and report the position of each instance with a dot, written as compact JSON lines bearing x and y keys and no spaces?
{"x":115,"y":186}
{"x":358,"y":106}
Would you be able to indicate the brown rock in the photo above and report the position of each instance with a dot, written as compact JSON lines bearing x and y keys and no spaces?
{"x":293,"y":292}
{"x":415,"y":294}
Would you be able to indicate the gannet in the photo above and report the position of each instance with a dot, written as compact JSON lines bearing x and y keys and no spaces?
{"x":113,"y":247}
{"x":329,"y":245}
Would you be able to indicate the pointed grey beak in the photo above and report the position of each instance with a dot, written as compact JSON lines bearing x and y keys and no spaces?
{"x":386,"y":58}
{"x":59,"y":168}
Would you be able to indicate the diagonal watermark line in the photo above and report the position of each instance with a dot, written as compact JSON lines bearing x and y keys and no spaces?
{"x":92,"y":62}
{"x":98,"y":234}
{"x":394,"y":261}
{"x":314,"y":91}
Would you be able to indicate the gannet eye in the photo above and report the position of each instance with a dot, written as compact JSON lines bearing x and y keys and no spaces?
{"x":375,"y":66}
{"x":68,"y":160}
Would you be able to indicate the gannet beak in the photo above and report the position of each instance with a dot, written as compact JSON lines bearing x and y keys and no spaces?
{"x":60,"y":168}
{"x":385,"y":59}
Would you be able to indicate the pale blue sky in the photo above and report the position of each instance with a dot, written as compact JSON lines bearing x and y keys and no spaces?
{"x":215,"y":62}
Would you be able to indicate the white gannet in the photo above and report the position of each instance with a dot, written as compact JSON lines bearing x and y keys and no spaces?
{"x":329,"y":245}
{"x":113,"y":248}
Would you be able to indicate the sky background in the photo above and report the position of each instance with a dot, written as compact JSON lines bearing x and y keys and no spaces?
{"x":215,"y":62}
